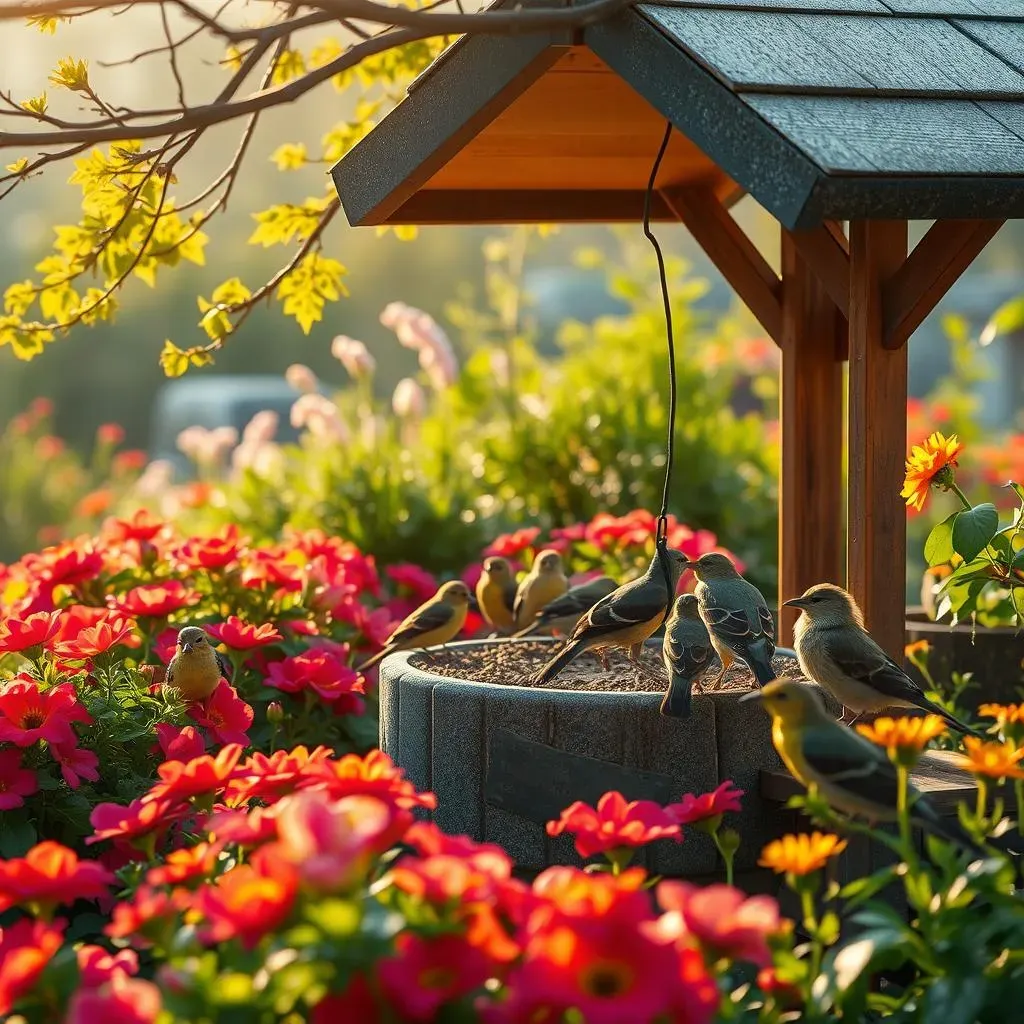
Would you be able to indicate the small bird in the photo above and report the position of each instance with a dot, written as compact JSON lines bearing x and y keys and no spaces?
{"x":545,"y":581}
{"x":837,"y":652}
{"x":496,"y":594}
{"x":196,"y":668}
{"x":626,"y":617}
{"x":686,"y":651}
{"x":564,"y":612}
{"x":850,"y":772}
{"x":736,"y":615}
{"x":436,"y":621}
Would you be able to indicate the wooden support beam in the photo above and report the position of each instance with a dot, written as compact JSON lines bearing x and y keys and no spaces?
{"x":811,"y":513}
{"x":825,"y":251}
{"x":876,"y":519}
{"x":938,"y":260}
{"x":732,"y":252}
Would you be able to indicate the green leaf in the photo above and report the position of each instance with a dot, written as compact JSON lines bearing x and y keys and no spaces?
{"x":1007,"y":318}
{"x":973,"y":529}
{"x":1017,"y":489}
{"x":938,"y":548}
{"x":17,"y":834}
{"x":864,"y":888}
{"x":956,"y":999}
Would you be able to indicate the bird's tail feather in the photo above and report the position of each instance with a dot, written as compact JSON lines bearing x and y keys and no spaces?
{"x":953,"y":722}
{"x":558,"y":662}
{"x":370,"y":662}
{"x":761,"y":663}
{"x":678,"y":699}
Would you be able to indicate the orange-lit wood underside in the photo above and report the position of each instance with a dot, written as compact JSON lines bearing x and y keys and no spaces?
{"x":581,"y":136}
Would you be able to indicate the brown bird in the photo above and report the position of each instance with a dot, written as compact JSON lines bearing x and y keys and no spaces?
{"x":196,"y":668}
{"x":545,"y":581}
{"x":496,"y":594}
{"x":437,"y":621}
{"x":564,"y":612}
{"x":625,"y":618}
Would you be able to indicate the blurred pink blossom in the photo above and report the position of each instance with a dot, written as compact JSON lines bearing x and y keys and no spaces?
{"x":408,"y":400}
{"x":302,"y":378}
{"x":155,"y":478}
{"x":319,"y":415}
{"x":207,"y":447}
{"x":354,"y":356}
{"x":261,"y":428}
{"x":420,"y":332}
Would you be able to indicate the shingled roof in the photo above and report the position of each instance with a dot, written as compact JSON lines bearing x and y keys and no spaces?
{"x":821,"y":109}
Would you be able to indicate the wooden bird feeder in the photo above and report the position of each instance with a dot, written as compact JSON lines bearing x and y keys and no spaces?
{"x":869,"y":113}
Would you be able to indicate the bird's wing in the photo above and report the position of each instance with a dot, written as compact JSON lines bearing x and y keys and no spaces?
{"x":636,"y":602}
{"x":767,"y":621}
{"x":432,"y":615}
{"x":860,"y":658}
{"x":847,"y":761}
{"x":225,"y":668}
{"x":508,"y":595}
{"x":521,"y":593}
{"x":577,"y":600}
{"x":169,"y":676}
{"x":687,"y":659}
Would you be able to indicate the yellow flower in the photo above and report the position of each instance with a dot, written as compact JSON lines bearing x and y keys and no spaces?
{"x":995,"y":760}
{"x":802,"y":854}
{"x":901,"y":736}
{"x":927,"y":465}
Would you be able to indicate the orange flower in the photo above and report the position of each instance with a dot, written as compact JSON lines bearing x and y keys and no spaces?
{"x":50,"y":874}
{"x":26,"y":947}
{"x":1004,"y":714}
{"x":903,"y":736}
{"x":918,"y":647}
{"x":802,"y":854}
{"x":185,"y":865}
{"x":995,"y":760}
{"x":614,"y":824}
{"x":929,"y":464}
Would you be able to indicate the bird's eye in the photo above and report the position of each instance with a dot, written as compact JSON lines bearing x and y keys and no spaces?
{"x":782,"y":696}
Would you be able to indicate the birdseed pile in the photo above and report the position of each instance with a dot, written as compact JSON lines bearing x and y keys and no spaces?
{"x":515,"y":664}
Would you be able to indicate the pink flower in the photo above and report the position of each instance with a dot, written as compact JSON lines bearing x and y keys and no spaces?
{"x":508,"y":545}
{"x":76,"y":763}
{"x":32,"y":631}
{"x":121,"y":1001}
{"x":96,"y":966}
{"x":615,"y":824}
{"x":16,"y":782}
{"x":241,"y":636}
{"x":707,"y":807}
{"x":302,"y":378}
{"x":354,"y":356}
{"x":408,"y":401}
{"x":321,"y":672}
{"x":180,"y":744}
{"x":224,"y":714}
{"x":419,"y":582}
{"x":28,"y":714}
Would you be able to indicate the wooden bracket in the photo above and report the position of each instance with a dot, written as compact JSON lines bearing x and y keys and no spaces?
{"x":826,"y":251}
{"x":938,"y":260}
{"x":732,"y":252}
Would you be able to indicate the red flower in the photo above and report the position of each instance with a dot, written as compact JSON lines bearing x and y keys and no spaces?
{"x":268,"y":777}
{"x":634,"y":529}
{"x":16,"y":782}
{"x":74,"y":618}
{"x":26,"y":947}
{"x":202,"y":776}
{"x":427,"y":839}
{"x":240,"y":636}
{"x":71,"y":563}
{"x":32,"y":631}
{"x":180,"y":744}
{"x":357,"y":1003}
{"x":155,"y":600}
{"x":372,"y":775}
{"x":426,"y":974}
{"x":211,"y":552}
{"x":185,"y":865}
{"x":95,"y":640}
{"x":246,"y":828}
{"x":225,"y":714}
{"x":572,"y":534}
{"x":723,"y":920}
{"x":50,"y":874}
{"x":713,"y":805}
{"x":28,"y":715}
{"x":148,"y":916}
{"x":109,"y":434}
{"x":319,"y":670}
{"x":138,"y":824}
{"x":508,"y":545}
{"x":76,"y":763}
{"x":248,"y":902}
{"x":614,"y":824}
{"x":269,"y":568}
{"x":142,"y":526}
{"x":420,"y":583}
{"x":121,"y":1001}
{"x":166,"y":644}
{"x":97,"y":966}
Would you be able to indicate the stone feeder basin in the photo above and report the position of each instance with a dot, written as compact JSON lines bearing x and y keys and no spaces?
{"x":504,"y":757}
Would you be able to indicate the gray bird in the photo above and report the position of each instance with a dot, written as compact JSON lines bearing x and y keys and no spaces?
{"x":625,"y":618}
{"x":687,"y":652}
{"x":564,"y":612}
{"x":837,"y":652}
{"x":737,"y":617}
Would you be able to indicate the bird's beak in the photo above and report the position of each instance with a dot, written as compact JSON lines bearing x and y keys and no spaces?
{"x":794,"y":602}
{"x":753,"y":695}
{"x":185,"y":648}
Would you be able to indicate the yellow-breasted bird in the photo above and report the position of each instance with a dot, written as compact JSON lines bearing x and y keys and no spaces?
{"x":436,"y":621}
{"x":686,"y":651}
{"x":837,"y":652}
{"x":852,"y":774}
{"x":564,"y":612}
{"x":626,"y":617}
{"x":545,"y":581}
{"x":736,"y":615}
{"x":196,"y":668}
{"x":496,"y":594}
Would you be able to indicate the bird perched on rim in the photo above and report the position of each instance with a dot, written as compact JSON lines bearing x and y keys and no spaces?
{"x":686,"y":651}
{"x":436,"y":621}
{"x":736,"y":615}
{"x":837,"y":652}
{"x":626,"y":617}
{"x":196,"y":668}
{"x":564,"y":612}
{"x":496,"y":594}
{"x":545,"y":581}
{"x":851,"y":773}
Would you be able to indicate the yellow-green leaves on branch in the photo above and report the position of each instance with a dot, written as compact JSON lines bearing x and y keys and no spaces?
{"x":287,"y":222}
{"x":71,"y":74}
{"x":316,"y":280}
{"x":175,"y":361}
{"x":290,"y":156}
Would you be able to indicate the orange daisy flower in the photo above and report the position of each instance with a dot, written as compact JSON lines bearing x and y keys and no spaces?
{"x":801,"y":854}
{"x":918,"y":647}
{"x":1004,"y":714}
{"x":903,"y":738}
{"x":994,"y":760}
{"x":928,"y":464}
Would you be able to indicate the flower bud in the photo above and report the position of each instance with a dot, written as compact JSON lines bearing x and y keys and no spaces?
{"x":275,"y":712}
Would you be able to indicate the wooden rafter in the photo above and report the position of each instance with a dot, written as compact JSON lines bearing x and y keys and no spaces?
{"x":938,"y":260}
{"x":827,"y":253}
{"x":732,"y":252}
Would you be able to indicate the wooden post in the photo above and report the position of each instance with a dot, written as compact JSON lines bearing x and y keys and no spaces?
{"x":876,"y":521}
{"x":811,"y":513}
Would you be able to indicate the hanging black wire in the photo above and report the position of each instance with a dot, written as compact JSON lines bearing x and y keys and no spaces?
{"x":661,"y":536}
